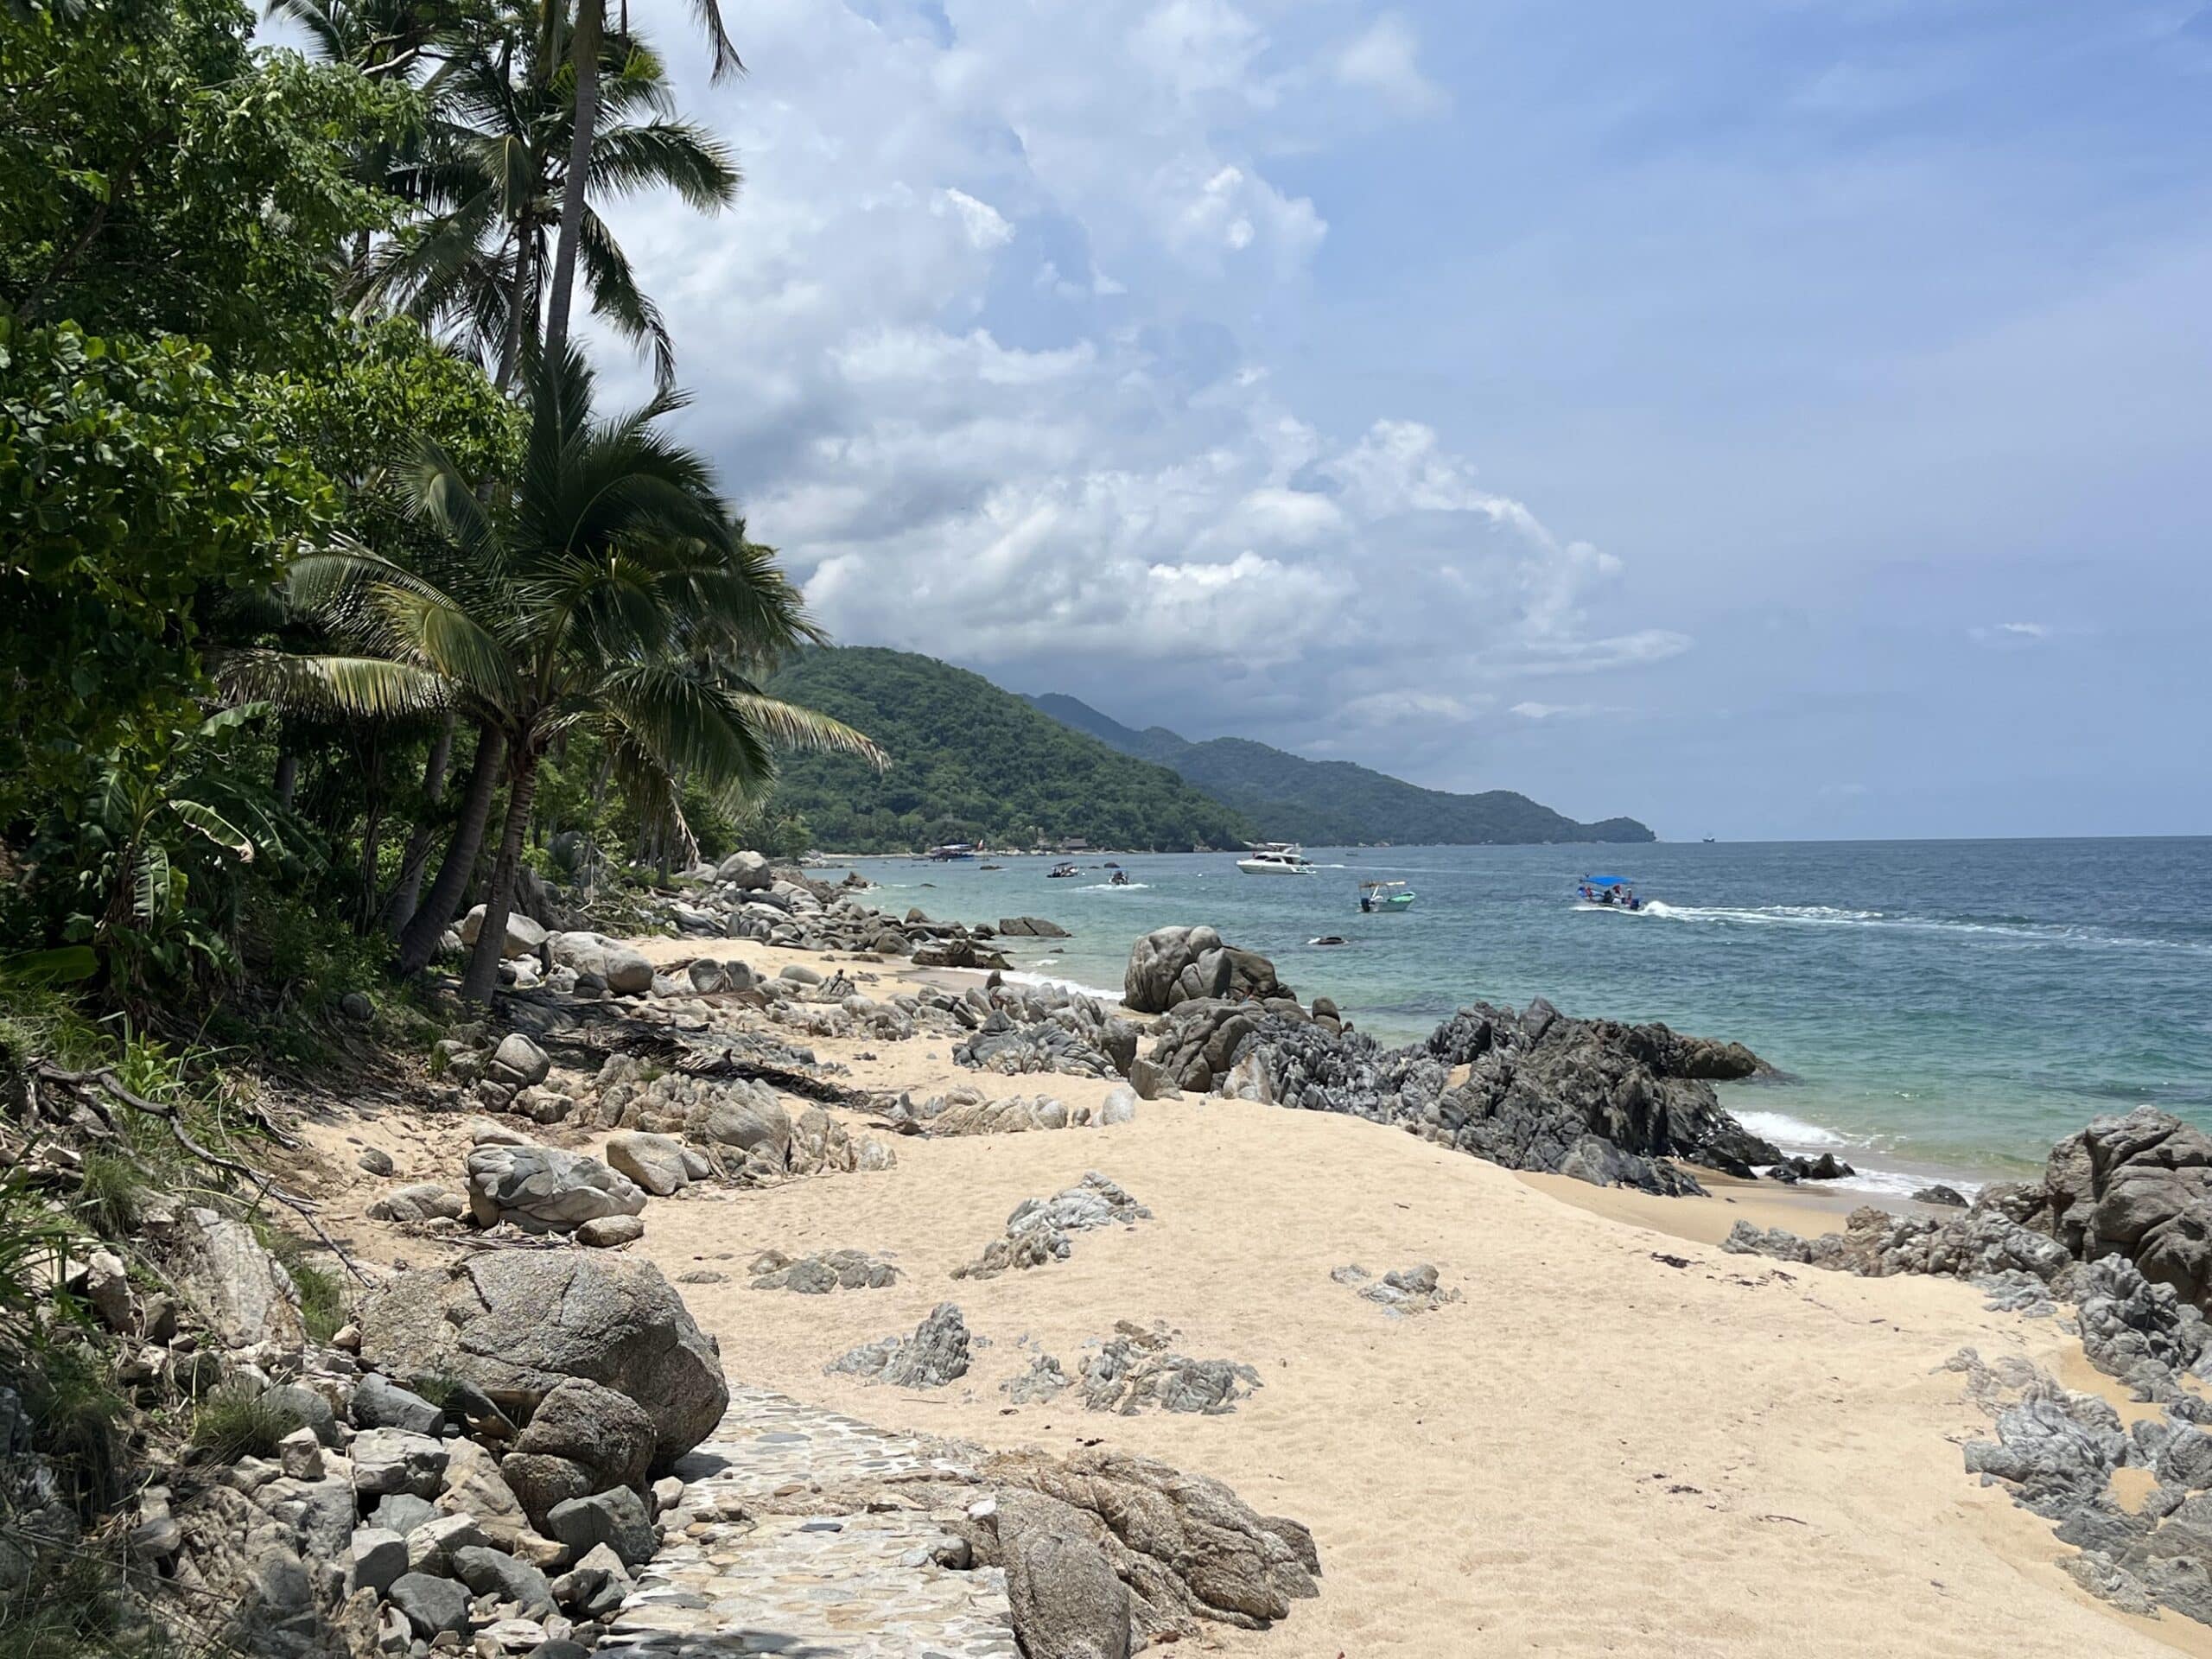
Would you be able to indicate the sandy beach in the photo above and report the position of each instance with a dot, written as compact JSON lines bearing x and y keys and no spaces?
{"x":1622,"y":1440}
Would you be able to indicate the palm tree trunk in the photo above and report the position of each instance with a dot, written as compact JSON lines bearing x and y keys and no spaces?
{"x":522,"y":301}
{"x":418,"y":941}
{"x":483,"y":977}
{"x":399,"y":908}
{"x":583,"y":52}
{"x":364,"y":907}
{"x":288,"y":778}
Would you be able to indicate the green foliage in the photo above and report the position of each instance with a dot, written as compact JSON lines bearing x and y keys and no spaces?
{"x":71,"y":1608}
{"x":970,"y":762}
{"x":110,"y":1194}
{"x":134,"y":487}
{"x":157,"y":177}
{"x":322,"y":1293}
{"x":1335,"y":802}
{"x":232,"y":1422}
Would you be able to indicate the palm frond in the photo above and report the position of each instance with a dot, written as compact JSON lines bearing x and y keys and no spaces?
{"x":326,"y":687}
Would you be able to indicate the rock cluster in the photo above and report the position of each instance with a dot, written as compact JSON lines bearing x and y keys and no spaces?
{"x":1037,"y":1231}
{"x":965,"y":1110}
{"x":1401,"y":1292}
{"x":818,"y":1275}
{"x":740,"y":1129}
{"x":1134,"y":1370}
{"x":1175,"y":965}
{"x":935,"y":1355}
{"x":1050,"y":1030}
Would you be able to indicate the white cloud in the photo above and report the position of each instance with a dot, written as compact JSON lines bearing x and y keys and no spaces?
{"x":1385,"y":60}
{"x":1122,"y":497}
{"x":2010,"y":635}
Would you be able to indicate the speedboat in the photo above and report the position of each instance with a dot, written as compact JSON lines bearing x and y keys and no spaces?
{"x":952,"y":851}
{"x":1276,"y":858}
{"x":1613,"y":893}
{"x":1385,"y":895}
{"x":1061,"y":872}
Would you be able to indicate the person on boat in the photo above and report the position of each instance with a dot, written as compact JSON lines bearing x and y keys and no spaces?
{"x":1120,"y":878}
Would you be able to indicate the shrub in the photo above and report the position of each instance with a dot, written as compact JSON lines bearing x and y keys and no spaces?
{"x":233,"y":1422}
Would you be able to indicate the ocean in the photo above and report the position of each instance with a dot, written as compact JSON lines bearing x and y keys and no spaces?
{"x":1942,"y":1009}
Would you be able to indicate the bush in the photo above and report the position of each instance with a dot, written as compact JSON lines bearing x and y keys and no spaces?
{"x":233,"y":1422}
{"x":109,"y":1195}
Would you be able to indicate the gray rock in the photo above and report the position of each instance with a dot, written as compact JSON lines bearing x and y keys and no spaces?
{"x":747,"y":871}
{"x":424,"y":1201}
{"x":616,"y":1518}
{"x":494,"y":1573}
{"x":591,"y":1425}
{"x":374,"y":1160}
{"x":397,"y":1460}
{"x":539,"y":1482}
{"x":378,"y":1402}
{"x":307,"y":1407}
{"x":515,"y":1323}
{"x":378,"y":1557}
{"x":543,"y":1189}
{"x":1066,"y":1599}
{"x":606,"y":1232}
{"x":1043,"y":1382}
{"x":430,"y":1546}
{"x":935,"y":1355}
{"x":1174,"y":965}
{"x":401,"y":1513}
{"x":432,"y":1606}
{"x":218,"y":1269}
{"x":818,"y":1275}
{"x":518,"y":1061}
{"x":1135,"y":1370}
{"x":1037,"y":1231}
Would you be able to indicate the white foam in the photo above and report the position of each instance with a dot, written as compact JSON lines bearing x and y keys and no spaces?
{"x":1888,"y":1183}
{"x":1013,"y":976}
{"x":1785,"y":1130}
{"x":1114,"y":886}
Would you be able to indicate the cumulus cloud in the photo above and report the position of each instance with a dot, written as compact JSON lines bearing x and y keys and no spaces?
{"x":967,"y":440}
{"x":1385,"y":59}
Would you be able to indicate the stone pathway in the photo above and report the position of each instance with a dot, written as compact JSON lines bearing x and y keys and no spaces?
{"x":805,"y":1586}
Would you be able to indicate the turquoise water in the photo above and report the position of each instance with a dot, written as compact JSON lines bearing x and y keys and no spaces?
{"x":1945,"y":1007}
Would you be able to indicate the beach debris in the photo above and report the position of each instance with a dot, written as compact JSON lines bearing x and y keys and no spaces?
{"x":1037,"y":1231}
{"x":1135,"y":1369}
{"x":820,"y":1274}
{"x":935,"y":1355}
{"x":1399,"y":1294}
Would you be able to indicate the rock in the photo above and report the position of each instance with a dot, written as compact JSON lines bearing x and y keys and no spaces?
{"x":667,"y":1494}
{"x":374,"y":1160}
{"x":401,"y":1513}
{"x":748,"y":1117}
{"x":1037,"y":1231}
{"x":430,"y":1546}
{"x":515,"y":1323}
{"x":356,"y":1007}
{"x":432,"y":1606}
{"x":473,"y":1485}
{"x":604,"y":1432}
{"x":706,"y":976}
{"x":746,"y":872}
{"x":1406,"y":1292}
{"x":616,"y":1518}
{"x":1949,"y":1197}
{"x":542,"y":1189}
{"x":1043,"y":1382}
{"x":608,"y":1231}
{"x":1120,"y":1106}
{"x":425,"y":1201}
{"x":800,"y":974}
{"x":495,"y":1574}
{"x":518,"y":1061}
{"x":615,"y":967}
{"x":1149,"y":1082}
{"x":816,"y":1275}
{"x":523,"y":937}
{"x":1066,"y":1600}
{"x":935,"y":1355}
{"x":1135,"y":1370}
{"x":377,"y":1558}
{"x":1033,"y":927}
{"x":378,"y":1402}
{"x":305,"y":1407}
{"x":2138,"y":1185}
{"x":397,"y":1460}
{"x":540,"y":1482}
{"x":218,"y":1269}
{"x":300,"y":1455}
{"x":1174,"y":965}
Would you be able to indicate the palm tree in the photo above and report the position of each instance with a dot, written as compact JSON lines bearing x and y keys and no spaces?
{"x":490,"y":181}
{"x":609,"y":589}
{"x":584,"y":55}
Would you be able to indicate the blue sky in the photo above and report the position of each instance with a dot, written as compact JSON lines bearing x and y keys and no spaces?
{"x":1765,"y":417}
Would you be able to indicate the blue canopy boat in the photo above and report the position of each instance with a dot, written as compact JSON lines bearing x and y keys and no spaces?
{"x":1609,"y":892}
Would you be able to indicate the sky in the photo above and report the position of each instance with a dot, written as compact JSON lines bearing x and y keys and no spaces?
{"x":1768,"y":418}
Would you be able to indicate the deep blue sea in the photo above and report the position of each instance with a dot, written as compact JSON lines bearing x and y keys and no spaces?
{"x":1940,"y":1008}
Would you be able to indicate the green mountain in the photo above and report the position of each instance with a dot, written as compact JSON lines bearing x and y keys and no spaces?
{"x":1335,"y":803}
{"x":972,"y":762}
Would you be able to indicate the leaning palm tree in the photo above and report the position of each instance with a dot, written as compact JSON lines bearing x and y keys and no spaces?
{"x":585,"y":39}
{"x":610,"y":588}
{"x":490,"y":181}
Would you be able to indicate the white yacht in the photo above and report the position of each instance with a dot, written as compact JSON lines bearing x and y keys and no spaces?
{"x":1275,"y":858}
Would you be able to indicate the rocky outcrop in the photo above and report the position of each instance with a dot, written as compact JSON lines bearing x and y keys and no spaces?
{"x":1174,"y":965}
{"x":965,"y":1110}
{"x":545,"y":1189}
{"x":1136,"y":1370}
{"x":221,"y":1272}
{"x":2138,"y":1185}
{"x":820,"y":1274}
{"x":1402,"y":1293}
{"x":1031,"y":927}
{"x":1037,"y":1231}
{"x":935,"y":1355}
{"x":516,"y":1323}
{"x":620,"y":969}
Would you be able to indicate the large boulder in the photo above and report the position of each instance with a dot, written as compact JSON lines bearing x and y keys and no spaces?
{"x":516,"y":1323}
{"x":747,"y":871}
{"x":544,"y":1190}
{"x":221,"y":1271}
{"x":655,"y":1162}
{"x":2138,"y":1185}
{"x":590,"y":1424}
{"x":1066,"y":1600}
{"x":1174,"y":965}
{"x":524,"y":936}
{"x":623,"y":971}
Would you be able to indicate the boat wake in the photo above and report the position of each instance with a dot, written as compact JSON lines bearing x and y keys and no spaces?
{"x":1831,"y":916}
{"x":1113,"y":886}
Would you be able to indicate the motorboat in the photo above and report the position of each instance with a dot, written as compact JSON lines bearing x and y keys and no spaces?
{"x":1614,"y":892}
{"x":1275,"y":858}
{"x":1384,"y":896}
{"x":951,"y":850}
{"x":1119,"y":878}
{"x":1061,"y":872}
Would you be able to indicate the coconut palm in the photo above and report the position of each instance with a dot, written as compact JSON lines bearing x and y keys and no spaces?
{"x":611,"y":589}
{"x":490,"y":182}
{"x":585,"y":41}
